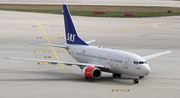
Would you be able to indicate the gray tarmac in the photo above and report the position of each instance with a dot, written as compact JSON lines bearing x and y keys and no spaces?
{"x":143,"y":36}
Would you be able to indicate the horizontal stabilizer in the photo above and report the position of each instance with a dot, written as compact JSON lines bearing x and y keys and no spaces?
{"x":61,"y":46}
{"x":88,"y":42}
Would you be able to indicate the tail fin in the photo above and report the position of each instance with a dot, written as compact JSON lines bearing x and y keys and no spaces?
{"x":71,"y":34}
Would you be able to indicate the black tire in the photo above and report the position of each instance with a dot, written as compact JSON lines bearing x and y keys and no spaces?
{"x":136,"y":81}
{"x":119,"y":75}
{"x":141,"y":77}
{"x":114,"y":75}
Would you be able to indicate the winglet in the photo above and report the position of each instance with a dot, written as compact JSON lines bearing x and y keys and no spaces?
{"x":71,"y":34}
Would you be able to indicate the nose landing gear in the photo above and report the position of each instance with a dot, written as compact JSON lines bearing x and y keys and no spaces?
{"x":136,"y":81}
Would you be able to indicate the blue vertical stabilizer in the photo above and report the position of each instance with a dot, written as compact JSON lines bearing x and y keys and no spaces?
{"x":71,"y":34}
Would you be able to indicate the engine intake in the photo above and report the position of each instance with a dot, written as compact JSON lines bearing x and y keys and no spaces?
{"x":92,"y":72}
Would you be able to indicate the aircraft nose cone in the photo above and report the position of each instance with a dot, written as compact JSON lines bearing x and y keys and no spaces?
{"x":146,"y":70}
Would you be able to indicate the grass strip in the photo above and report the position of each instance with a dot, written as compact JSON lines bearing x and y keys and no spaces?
{"x":108,"y":14}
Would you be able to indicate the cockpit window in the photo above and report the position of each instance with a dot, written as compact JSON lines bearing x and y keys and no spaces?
{"x":135,"y":62}
{"x":140,"y":62}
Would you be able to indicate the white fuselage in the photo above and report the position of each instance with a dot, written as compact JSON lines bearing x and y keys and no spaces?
{"x":119,"y":62}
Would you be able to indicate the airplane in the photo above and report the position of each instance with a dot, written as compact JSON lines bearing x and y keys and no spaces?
{"x":93,"y":60}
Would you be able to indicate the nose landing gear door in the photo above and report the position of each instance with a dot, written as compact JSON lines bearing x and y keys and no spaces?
{"x":126,"y":62}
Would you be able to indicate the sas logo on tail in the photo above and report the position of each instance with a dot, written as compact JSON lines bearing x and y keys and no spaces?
{"x":71,"y":37}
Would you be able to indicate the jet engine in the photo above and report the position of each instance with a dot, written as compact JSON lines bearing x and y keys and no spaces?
{"x":91,"y":72}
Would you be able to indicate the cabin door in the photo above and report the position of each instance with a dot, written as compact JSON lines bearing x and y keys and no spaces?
{"x":126,"y":63}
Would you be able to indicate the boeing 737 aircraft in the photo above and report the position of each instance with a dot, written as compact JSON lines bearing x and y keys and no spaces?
{"x":92,"y":60}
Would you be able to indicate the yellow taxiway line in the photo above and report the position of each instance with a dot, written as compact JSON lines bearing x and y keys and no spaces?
{"x":53,"y":49}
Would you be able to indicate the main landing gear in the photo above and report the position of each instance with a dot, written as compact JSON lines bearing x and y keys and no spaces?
{"x":141,"y":77}
{"x":116,"y":75}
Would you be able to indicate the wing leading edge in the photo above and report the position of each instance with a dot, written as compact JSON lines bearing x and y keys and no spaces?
{"x":51,"y":61}
{"x":155,"y":55}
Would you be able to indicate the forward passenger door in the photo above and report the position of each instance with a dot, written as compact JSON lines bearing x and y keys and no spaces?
{"x":126,"y":62}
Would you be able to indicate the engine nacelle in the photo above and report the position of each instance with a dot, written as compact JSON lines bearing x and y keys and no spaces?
{"x":91,"y":72}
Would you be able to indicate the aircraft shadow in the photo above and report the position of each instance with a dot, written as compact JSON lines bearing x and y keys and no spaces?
{"x":56,"y":77}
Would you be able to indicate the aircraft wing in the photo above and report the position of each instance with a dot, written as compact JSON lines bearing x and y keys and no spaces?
{"x":56,"y":62}
{"x":62,"y":46}
{"x":155,"y":55}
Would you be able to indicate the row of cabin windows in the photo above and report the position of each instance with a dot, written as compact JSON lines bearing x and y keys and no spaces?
{"x":103,"y":58}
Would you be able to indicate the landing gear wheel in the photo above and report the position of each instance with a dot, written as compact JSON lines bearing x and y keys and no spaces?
{"x":141,"y":77}
{"x":136,"y":81}
{"x":114,"y":75}
{"x":119,"y":75}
